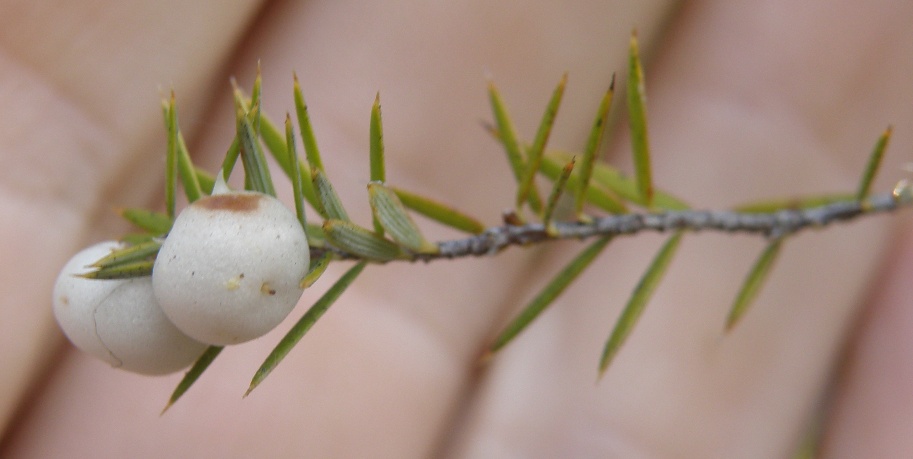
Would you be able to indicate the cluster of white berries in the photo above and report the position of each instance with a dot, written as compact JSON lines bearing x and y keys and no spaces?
{"x":229,"y":271}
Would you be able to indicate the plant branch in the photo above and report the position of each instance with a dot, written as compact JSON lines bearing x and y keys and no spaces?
{"x":772,"y":225}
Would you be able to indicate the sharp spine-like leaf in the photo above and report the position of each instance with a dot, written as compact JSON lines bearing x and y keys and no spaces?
{"x":193,"y":374}
{"x":128,"y":254}
{"x":231,"y":158}
{"x":128,"y":270}
{"x":508,"y":136}
{"x":376,"y":135}
{"x":585,"y":171}
{"x":753,"y":283}
{"x":295,"y":171}
{"x":596,"y":196}
{"x":637,"y":119}
{"x":255,"y":167}
{"x":535,"y":152}
{"x":391,"y":215}
{"x":277,"y":145}
{"x":256,"y":100}
{"x":638,"y":301}
{"x":360,"y":241}
{"x":439,"y":212}
{"x":871,"y":168}
{"x":303,"y":325}
{"x":193,"y":190}
{"x":329,"y":200}
{"x":171,"y":158}
{"x":615,"y":181}
{"x":548,"y":294}
{"x":307,"y":131}
{"x":153,"y":222}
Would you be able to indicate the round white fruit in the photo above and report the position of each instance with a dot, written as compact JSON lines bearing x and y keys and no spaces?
{"x":229,"y":269}
{"x":118,"y":321}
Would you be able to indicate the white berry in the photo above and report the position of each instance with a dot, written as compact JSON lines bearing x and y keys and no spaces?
{"x":118,"y":321}
{"x":230,"y":268}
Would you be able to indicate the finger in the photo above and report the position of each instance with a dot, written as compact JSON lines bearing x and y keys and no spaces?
{"x":382,"y":372}
{"x":745,"y":101}
{"x":81,"y":125}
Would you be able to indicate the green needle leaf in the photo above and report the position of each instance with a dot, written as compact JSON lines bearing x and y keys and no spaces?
{"x":536,"y":151}
{"x":189,"y":179}
{"x":753,"y":282}
{"x":296,"y":172}
{"x":548,"y":294}
{"x":231,"y":157}
{"x":638,"y":301}
{"x":557,"y":190}
{"x":317,"y":268}
{"x":391,"y":215}
{"x":307,"y":131}
{"x":508,"y":136}
{"x":637,"y":114}
{"x":129,"y":270}
{"x":256,"y":100}
{"x":592,"y":147}
{"x":193,"y":374}
{"x":378,"y":174}
{"x":553,"y":169}
{"x":359,"y":241}
{"x":185,"y":167}
{"x":615,"y":181}
{"x":277,"y":145}
{"x":871,"y":169}
{"x":171,"y":158}
{"x":439,"y":212}
{"x":329,"y":200}
{"x":256,"y":172}
{"x":275,"y":141}
{"x":128,"y":254}
{"x":303,"y":325}
{"x":153,"y":222}
{"x":255,"y":167}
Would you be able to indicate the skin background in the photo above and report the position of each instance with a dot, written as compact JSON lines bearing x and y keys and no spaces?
{"x":745,"y":101}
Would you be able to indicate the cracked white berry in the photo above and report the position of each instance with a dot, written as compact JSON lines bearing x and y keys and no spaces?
{"x":119,"y":321}
{"x":230,"y":268}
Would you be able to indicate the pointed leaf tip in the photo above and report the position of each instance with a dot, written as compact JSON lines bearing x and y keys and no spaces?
{"x":193,"y":374}
{"x":637,"y":122}
{"x":585,"y":171}
{"x":550,"y":293}
{"x":753,"y":283}
{"x":507,"y":134}
{"x":439,"y":212}
{"x":873,"y":164}
{"x":537,"y":150}
{"x":313,"y":314}
{"x":638,"y":302}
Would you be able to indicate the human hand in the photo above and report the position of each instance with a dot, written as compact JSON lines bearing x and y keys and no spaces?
{"x":744,"y":103}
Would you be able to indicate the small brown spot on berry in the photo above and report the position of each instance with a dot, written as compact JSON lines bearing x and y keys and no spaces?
{"x":231,"y":202}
